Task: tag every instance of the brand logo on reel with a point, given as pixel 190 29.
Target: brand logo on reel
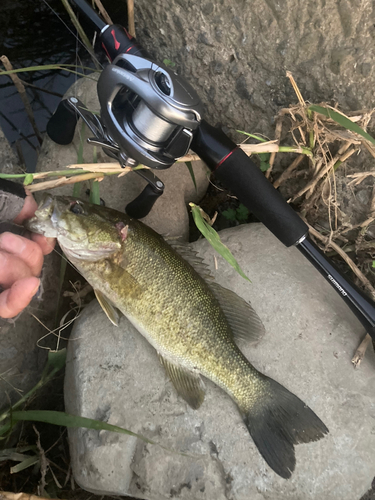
pixel 337 285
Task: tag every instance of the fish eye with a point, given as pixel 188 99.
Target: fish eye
pixel 76 208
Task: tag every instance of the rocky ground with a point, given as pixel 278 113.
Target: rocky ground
pixel 236 55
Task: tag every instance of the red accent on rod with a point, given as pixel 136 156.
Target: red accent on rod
pixel 129 49
pixel 225 158
pixel 117 44
pixel 106 51
pixel 127 34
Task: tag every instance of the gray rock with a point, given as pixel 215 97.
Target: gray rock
pixel 22 356
pixel 8 161
pixel 328 45
pixel 21 360
pixel 113 374
pixel 169 214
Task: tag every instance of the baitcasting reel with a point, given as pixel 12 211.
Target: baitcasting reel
pixel 148 111
pixel 148 116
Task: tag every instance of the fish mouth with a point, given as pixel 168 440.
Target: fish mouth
pixel 42 222
pixel 51 220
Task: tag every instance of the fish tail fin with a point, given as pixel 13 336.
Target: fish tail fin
pixel 277 421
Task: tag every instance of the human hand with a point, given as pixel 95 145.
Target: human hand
pixel 21 261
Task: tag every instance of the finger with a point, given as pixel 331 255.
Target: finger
pixel 26 250
pixel 28 209
pixel 12 269
pixel 16 298
pixel 46 244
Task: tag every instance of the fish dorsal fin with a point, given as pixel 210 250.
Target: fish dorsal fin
pixel 191 256
pixel 188 384
pixel 243 320
pixel 108 308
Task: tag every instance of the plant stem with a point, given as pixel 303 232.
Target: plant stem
pixel 57 173
pixel 22 93
pixel 61 67
pixel 311 139
pixel 261 139
pixel 44 380
pixel 291 149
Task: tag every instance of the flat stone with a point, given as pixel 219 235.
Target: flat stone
pixel 169 214
pixel 113 374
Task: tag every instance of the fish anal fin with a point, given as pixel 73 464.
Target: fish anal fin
pixel 188 384
pixel 108 307
pixel 243 320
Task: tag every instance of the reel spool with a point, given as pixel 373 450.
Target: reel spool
pixel 148 111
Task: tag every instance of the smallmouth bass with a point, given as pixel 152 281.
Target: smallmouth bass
pixel 191 321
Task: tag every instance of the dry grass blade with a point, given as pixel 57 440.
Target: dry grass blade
pixel 279 126
pixel 62 181
pixel 131 23
pixel 103 12
pixel 360 352
pixel 264 147
pixel 296 89
pixel 79 294
pixel 359 177
pixel 369 148
pixel 101 167
pixel 366 283
pixel 81 32
pixel 22 92
pixel 43 464
pixel 340 157
pixel 288 171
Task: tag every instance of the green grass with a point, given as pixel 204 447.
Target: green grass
pixel 342 120
pixel 214 239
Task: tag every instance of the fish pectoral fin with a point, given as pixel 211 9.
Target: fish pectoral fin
pixel 108 308
pixel 188 384
pixel 243 320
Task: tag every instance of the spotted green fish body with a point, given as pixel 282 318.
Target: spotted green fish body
pixel 192 322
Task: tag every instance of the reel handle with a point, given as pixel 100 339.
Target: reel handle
pixel 62 124
pixel 143 203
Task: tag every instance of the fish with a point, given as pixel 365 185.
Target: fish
pixel 194 324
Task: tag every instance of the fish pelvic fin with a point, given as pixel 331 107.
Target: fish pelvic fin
pixel 188 384
pixel 278 422
pixel 108 307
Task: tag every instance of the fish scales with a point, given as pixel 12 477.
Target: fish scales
pixel 189 322
pixel 176 307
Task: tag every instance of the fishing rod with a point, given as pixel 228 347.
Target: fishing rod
pixel 152 116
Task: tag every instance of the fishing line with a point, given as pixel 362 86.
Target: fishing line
pixel 67 27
